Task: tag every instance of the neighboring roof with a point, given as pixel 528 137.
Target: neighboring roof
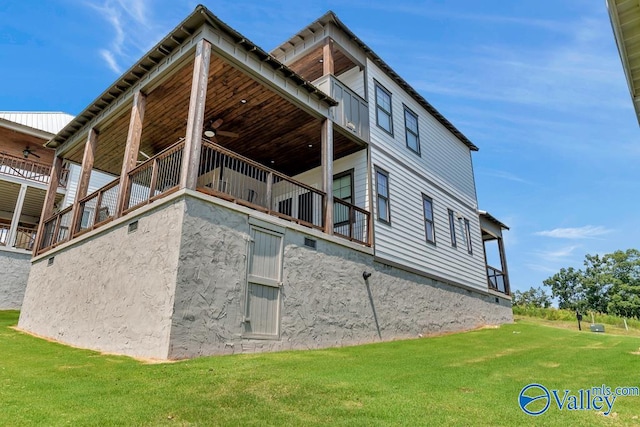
pixel 164 48
pixel 625 20
pixel 49 122
pixel 330 16
pixel 486 215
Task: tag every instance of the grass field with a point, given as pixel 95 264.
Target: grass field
pixel 471 378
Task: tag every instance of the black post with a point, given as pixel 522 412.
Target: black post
pixel 579 317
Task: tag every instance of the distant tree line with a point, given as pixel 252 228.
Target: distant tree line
pixel 608 284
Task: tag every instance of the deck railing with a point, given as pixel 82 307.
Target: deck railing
pixel 222 173
pixel 497 280
pixel 352 111
pixel 156 177
pixel 350 222
pixel 25 237
pixel 231 176
pixel 98 207
pixel 27 169
pixel 56 230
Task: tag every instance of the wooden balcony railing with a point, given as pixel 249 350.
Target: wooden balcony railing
pixel 155 178
pixel 25 237
pixel 222 173
pixel 28 169
pixel 231 176
pixel 498 281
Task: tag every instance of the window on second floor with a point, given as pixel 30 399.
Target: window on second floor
pixel 382 190
pixel 429 224
pixel 412 135
pixel 467 232
pixel 452 228
pixel 384 118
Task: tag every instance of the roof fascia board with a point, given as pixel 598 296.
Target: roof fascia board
pixel 290 52
pixel 8 124
pixel 146 83
pixel 622 51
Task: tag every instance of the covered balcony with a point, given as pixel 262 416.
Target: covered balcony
pixel 497 278
pixel 211 122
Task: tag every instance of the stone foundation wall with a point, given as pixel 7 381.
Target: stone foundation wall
pixel 14 272
pixel 111 292
pixel 325 300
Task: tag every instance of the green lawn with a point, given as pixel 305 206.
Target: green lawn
pixel 470 378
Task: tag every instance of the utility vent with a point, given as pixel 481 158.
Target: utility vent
pixel 133 226
pixel 310 242
pixel 498 300
pixel 50 261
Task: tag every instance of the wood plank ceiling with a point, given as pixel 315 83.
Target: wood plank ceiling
pixel 271 130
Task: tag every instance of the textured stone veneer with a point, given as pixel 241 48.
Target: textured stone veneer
pixel 325 300
pixel 112 292
pixel 14 272
pixel 175 288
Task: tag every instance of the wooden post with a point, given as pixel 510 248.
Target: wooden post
pixel 327 57
pixel 327 174
pixel 269 192
pixel 17 212
pixel 195 120
pixel 131 150
pixel 503 261
pixel 49 199
pixel 83 182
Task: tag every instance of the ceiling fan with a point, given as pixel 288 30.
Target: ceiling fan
pixel 28 151
pixel 211 130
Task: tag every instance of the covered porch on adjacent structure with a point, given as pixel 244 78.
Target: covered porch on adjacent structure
pixel 232 124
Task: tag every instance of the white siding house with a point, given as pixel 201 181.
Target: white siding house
pixel 303 198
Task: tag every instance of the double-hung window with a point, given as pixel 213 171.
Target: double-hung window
pixel 452 228
pixel 384 118
pixel 382 187
pixel 412 135
pixel 467 232
pixel 429 224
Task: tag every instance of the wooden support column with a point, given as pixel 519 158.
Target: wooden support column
pixel 327 174
pixel 17 213
pixel 131 150
pixel 85 174
pixel 49 199
pixel 503 262
pixel 327 57
pixel 195 119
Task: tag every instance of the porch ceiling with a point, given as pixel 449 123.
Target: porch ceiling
pixel 271 130
pixel 310 65
pixel 14 142
pixel 33 200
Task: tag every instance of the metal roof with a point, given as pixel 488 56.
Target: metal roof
pixel 330 16
pixel 200 16
pixel 625 20
pixel 45 121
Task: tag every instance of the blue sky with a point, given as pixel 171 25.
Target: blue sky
pixel 537 85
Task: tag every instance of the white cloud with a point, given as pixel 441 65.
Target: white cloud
pixel 504 175
pixel 558 255
pixel 586 232
pixel 133 31
pixel 111 61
